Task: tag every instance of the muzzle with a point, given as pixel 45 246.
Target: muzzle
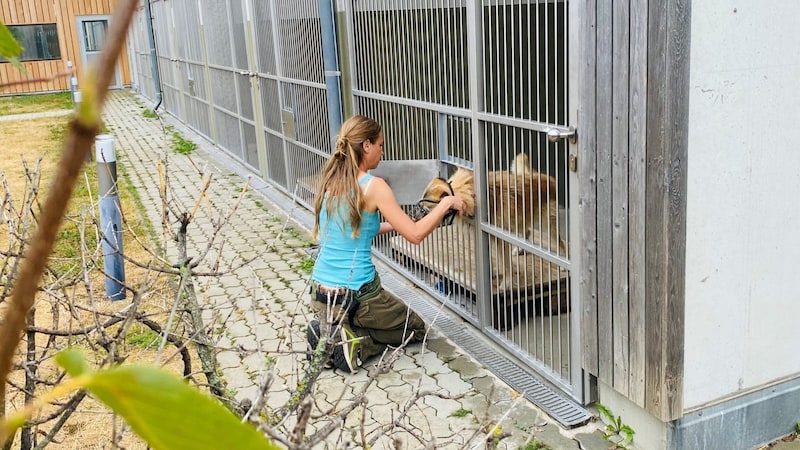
pixel 424 207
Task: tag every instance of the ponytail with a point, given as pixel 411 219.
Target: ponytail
pixel 339 178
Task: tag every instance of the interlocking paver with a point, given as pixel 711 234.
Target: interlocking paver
pixel 261 308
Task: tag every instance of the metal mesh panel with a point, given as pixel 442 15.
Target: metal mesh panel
pixel 172 100
pixel 194 81
pixel 525 60
pixel 217 32
pixel 311 116
pixel 270 103
pixel 239 41
pixel 265 43
pixel 415 50
pixel 304 169
pixel 197 115
pixel 300 40
pixel 245 96
pixel 276 162
pixel 187 18
pixel 223 91
pixel 161 27
pixel 250 146
pixel 228 137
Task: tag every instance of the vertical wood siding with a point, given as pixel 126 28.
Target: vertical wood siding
pixel 63 13
pixel 632 159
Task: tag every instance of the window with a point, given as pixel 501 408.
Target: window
pixel 39 41
pixel 94 33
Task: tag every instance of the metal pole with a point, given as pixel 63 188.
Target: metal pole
pixel 330 59
pixel 110 217
pixel 151 40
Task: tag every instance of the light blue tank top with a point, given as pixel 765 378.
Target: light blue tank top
pixel 345 261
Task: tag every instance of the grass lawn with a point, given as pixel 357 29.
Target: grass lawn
pixel 23 104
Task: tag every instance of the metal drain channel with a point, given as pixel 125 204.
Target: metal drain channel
pixel 562 409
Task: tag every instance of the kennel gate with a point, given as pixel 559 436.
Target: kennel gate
pixel 471 84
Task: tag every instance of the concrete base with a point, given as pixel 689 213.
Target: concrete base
pixel 742 423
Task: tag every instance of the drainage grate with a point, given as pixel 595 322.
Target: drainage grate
pixel 565 411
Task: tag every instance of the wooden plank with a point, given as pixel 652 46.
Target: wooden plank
pixel 619 188
pixel 636 198
pixel 587 209
pixel 37 12
pixel 5 12
pixel 71 38
pixel 605 281
pixel 62 38
pixel 13 13
pixel 655 201
pixel 678 44
pixel 24 12
pixel 35 73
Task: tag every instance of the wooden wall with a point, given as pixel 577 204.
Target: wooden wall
pixel 63 13
pixel 634 82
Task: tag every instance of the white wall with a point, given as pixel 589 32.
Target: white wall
pixel 743 235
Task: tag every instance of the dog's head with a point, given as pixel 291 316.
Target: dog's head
pixel 436 190
pixel 460 183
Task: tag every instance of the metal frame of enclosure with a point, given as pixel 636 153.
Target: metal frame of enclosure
pixel 456 84
pixel 582 281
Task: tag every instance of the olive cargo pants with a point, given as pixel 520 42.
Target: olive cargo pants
pixel 379 319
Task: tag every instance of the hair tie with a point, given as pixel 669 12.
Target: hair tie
pixel 341 147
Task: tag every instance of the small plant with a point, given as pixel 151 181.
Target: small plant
pixel 461 412
pixel 307 265
pixel 181 145
pixel 149 114
pixel 616 432
pixel 534 445
pixel 141 337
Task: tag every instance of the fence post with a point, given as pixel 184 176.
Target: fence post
pixel 110 217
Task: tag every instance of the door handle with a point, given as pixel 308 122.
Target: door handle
pixel 556 134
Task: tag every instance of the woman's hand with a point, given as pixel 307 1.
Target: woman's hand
pixel 457 204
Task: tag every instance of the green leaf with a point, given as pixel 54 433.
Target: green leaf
pixel 73 362
pixel 9 47
pixel 168 413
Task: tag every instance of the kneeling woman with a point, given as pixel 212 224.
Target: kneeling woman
pixel 347 295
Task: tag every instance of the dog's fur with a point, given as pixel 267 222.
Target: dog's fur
pixel 519 200
pixel 516 197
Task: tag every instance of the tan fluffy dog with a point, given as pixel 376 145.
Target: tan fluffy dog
pixel 520 201
pixel 517 199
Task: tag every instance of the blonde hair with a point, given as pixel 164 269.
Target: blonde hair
pixel 339 178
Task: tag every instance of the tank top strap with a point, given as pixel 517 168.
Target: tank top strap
pixel 365 181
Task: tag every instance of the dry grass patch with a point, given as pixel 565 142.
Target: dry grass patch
pixel 79 301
